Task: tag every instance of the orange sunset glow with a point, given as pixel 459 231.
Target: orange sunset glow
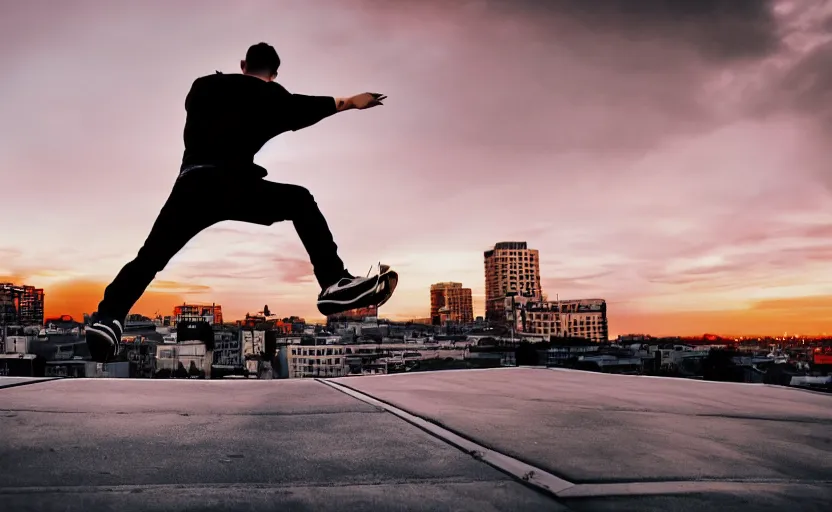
pixel 675 167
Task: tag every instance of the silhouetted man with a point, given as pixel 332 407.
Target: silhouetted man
pixel 229 118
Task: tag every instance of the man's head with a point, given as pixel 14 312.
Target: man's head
pixel 261 61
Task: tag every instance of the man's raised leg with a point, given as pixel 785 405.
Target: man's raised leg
pixel 269 202
pixel 340 291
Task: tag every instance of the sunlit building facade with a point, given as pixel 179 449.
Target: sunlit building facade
pixel 510 268
pixel 21 305
pixel 450 302
pixel 586 318
pixel 211 313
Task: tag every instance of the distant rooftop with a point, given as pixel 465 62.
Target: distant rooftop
pixel 516 246
pixel 479 440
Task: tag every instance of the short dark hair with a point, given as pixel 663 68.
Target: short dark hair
pixel 262 57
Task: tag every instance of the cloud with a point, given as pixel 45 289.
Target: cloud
pixel 10 252
pixel 244 264
pixel 179 288
pixel 721 31
pixel 16 279
pixel 555 283
pixel 795 80
pixel 807 88
pixel 76 297
pixel 798 306
pixel 15 266
pixel 584 88
pixel 295 270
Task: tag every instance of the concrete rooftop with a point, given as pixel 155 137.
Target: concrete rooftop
pixel 480 440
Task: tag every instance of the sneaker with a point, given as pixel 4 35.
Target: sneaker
pixel 352 292
pixel 103 338
pixel 388 279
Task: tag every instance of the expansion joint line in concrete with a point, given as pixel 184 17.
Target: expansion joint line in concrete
pixel 525 473
pixel 563 489
pixel 36 380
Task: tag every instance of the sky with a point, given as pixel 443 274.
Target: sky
pixel 669 157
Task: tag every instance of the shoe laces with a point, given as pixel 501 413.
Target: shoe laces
pixel 374 267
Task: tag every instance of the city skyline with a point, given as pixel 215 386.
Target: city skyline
pixel 680 175
pixel 172 310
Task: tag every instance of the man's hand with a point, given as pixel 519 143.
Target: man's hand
pixel 360 101
pixel 368 100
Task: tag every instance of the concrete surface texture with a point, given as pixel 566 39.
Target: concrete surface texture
pixel 659 442
pixel 102 444
pixel 620 443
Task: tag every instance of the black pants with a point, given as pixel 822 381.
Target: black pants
pixel 203 197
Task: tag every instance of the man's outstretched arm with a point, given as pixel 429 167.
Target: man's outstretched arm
pixel 304 111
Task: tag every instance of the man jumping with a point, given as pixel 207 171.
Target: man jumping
pixel 229 118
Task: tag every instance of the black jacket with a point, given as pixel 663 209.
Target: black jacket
pixel 230 117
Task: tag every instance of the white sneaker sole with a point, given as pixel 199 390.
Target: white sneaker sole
pixel 385 284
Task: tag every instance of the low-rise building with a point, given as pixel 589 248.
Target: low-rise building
pixel 209 313
pixel 316 361
pixel 21 305
pixel 584 318
pixel 21 365
pixel 187 356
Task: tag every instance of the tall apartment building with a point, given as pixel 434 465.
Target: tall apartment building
pixel 212 314
pixel 21 305
pixel 450 302
pixel 510 267
pixel 585 318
